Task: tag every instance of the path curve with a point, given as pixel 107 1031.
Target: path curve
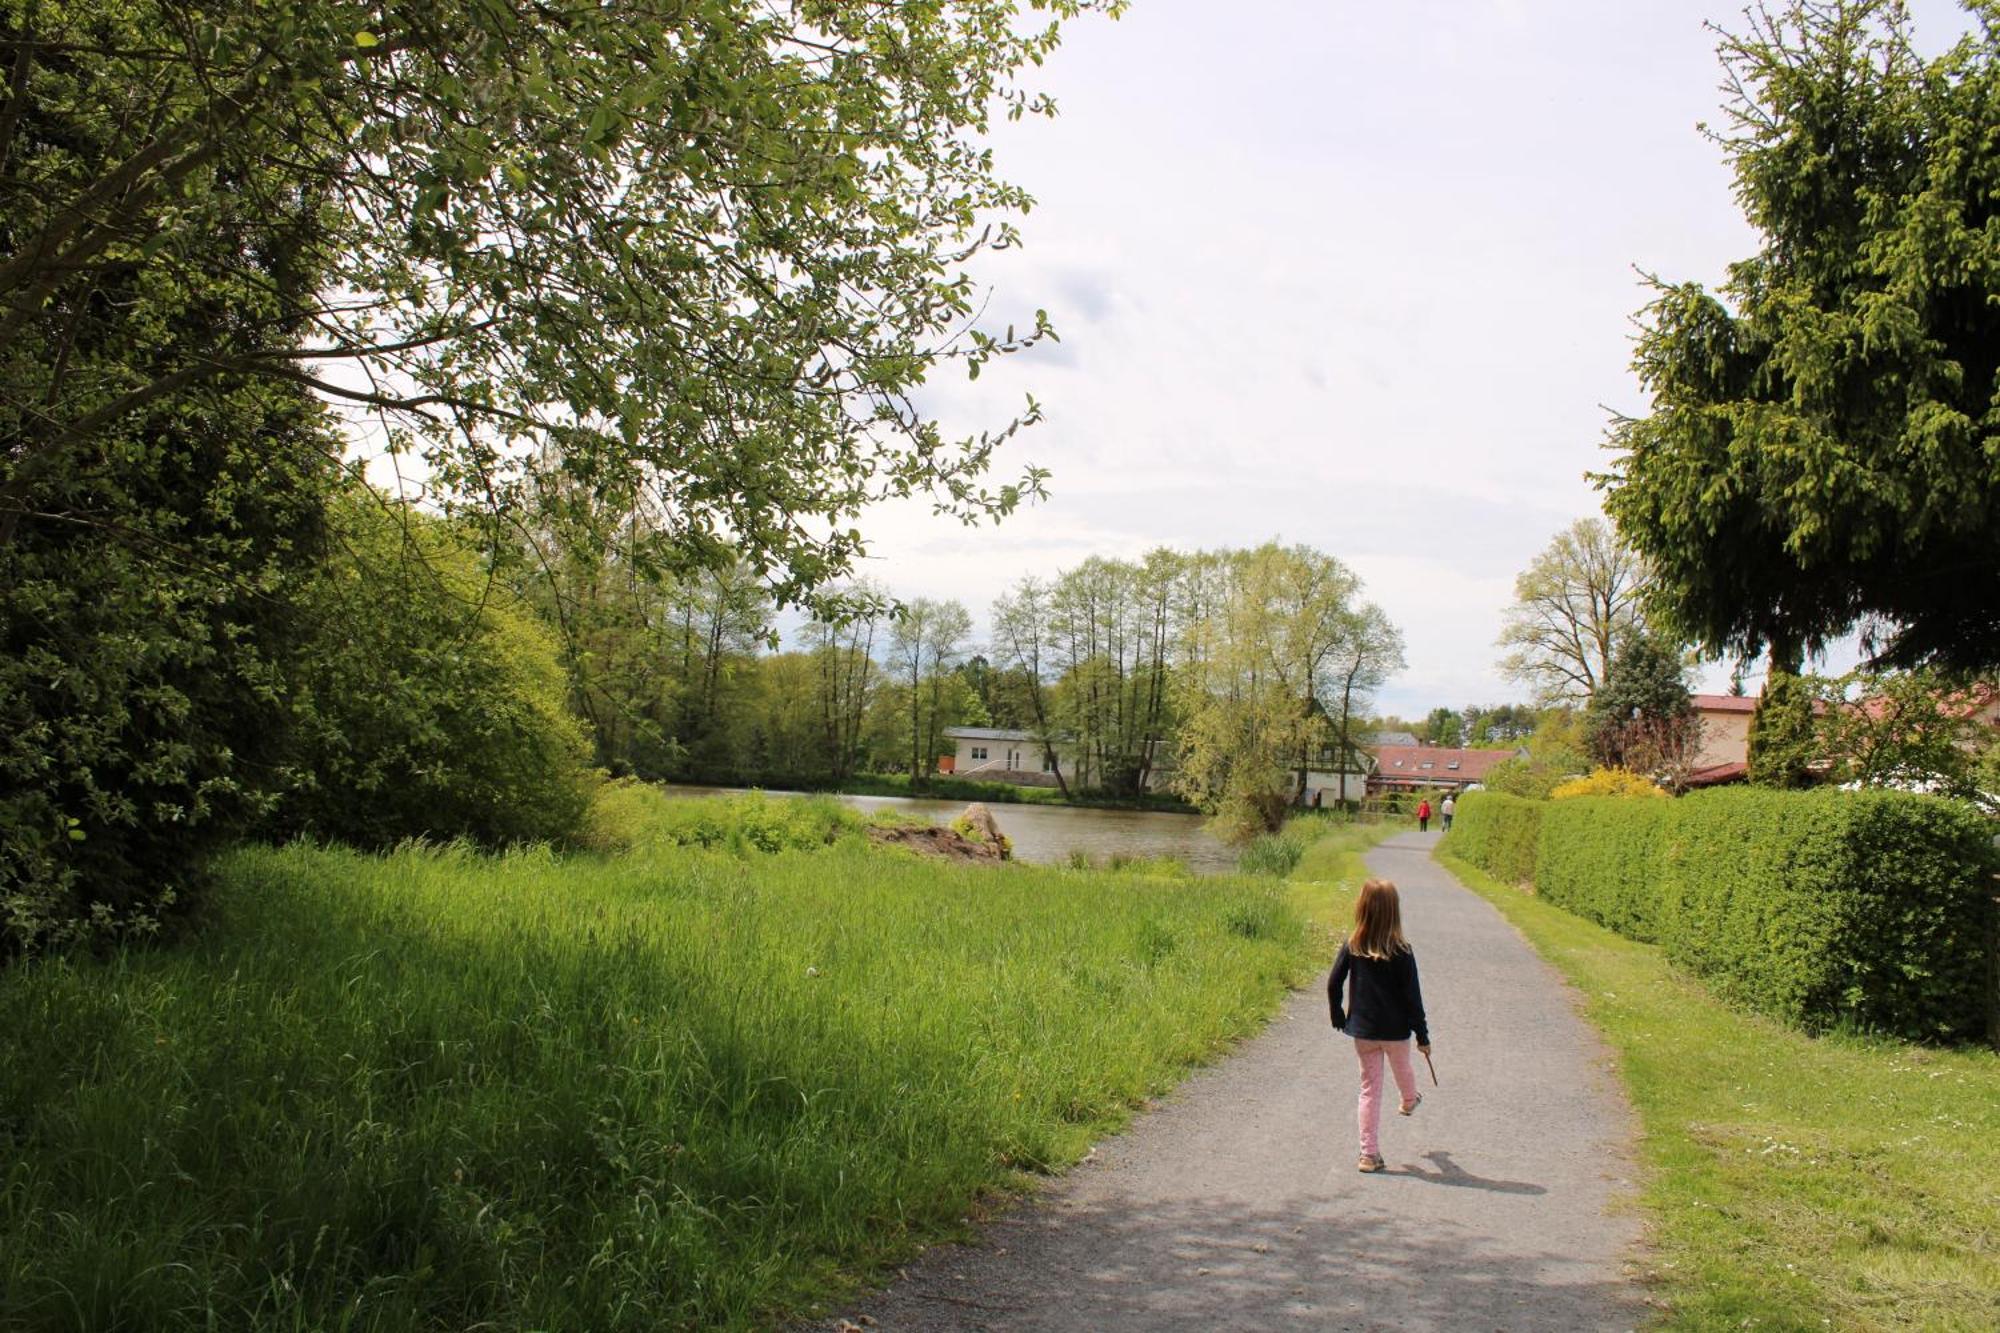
pixel 1235 1203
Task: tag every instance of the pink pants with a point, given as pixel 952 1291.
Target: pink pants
pixel 1369 1112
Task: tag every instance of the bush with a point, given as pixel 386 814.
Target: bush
pixel 627 815
pixel 146 598
pixel 430 702
pixel 1272 854
pixel 1598 857
pixel 1830 908
pixel 1605 782
pixel 1497 833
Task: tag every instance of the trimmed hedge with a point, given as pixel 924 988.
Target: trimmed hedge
pixel 1830 908
pixel 1497 833
pixel 1597 856
pixel 1871 910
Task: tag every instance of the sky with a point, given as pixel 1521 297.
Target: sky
pixel 1357 275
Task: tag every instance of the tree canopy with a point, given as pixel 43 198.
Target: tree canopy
pixel 1823 444
pixel 1571 605
pixel 1643 717
pixel 695 255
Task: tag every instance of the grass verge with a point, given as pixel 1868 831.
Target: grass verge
pixel 1329 873
pixel 1794 1182
pixel 678 1088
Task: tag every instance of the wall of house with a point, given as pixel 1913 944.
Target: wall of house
pixel 1005 761
pixel 1725 739
pixel 1335 787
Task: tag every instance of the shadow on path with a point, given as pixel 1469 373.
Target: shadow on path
pixel 1451 1173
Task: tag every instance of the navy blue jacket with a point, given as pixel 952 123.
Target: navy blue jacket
pixel 1386 1003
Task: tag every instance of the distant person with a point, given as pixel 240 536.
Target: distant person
pixel 1424 815
pixel 1446 810
pixel 1385 1006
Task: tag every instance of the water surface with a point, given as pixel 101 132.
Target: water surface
pixel 1047 834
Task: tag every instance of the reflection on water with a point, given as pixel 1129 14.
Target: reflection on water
pixel 1048 833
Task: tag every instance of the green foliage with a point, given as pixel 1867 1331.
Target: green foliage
pixel 1819 445
pixel 1555 755
pixel 1497 833
pixel 1783 744
pixel 1273 853
pixel 1823 908
pixel 667 1091
pixel 1598 856
pixel 1916 730
pixel 1536 776
pixel 1606 782
pixel 1273 667
pixel 628 815
pixel 1790 1181
pixel 142 721
pixel 1642 713
pixel 149 541
pixel 1830 908
pixel 1443 727
pixel 540 265
pixel 429 702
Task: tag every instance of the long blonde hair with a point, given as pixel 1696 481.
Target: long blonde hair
pixel 1378 922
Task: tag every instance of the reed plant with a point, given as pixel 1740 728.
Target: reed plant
pixel 676 1088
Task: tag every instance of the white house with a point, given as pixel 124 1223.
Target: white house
pixel 996 754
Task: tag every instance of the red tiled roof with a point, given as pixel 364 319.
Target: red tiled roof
pixel 1717 774
pixel 1725 703
pixel 1407 761
pixel 1966 704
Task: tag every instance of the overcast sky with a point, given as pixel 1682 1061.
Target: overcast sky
pixel 1358 275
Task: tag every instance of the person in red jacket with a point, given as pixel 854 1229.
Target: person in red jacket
pixel 1424 815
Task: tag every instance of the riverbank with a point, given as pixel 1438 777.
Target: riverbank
pixel 676 1088
pixel 1794 1182
pixel 943 789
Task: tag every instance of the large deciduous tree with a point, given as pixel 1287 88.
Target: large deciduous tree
pixel 701 251
pixel 1269 642
pixel 926 644
pixel 1571 606
pixel 1823 443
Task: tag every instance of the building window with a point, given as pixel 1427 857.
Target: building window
pixel 1452 765
pixel 978 752
pixel 1047 767
pixel 1427 764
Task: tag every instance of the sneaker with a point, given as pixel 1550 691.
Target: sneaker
pixel 1370 1164
pixel 1410 1105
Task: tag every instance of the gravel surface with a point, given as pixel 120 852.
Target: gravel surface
pixel 1235 1204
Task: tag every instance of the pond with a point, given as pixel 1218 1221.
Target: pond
pixel 1047 834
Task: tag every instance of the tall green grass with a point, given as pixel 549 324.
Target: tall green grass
pixel 1330 869
pixel 628 815
pixel 674 1089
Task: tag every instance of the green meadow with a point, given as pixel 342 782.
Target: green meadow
pixel 674 1087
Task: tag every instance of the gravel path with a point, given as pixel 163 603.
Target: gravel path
pixel 1235 1204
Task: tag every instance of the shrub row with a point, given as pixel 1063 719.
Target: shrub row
pixel 1497 833
pixel 1822 908
pixel 1595 856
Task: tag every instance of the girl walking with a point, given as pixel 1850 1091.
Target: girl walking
pixel 1384 1008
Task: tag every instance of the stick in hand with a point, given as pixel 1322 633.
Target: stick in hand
pixel 1433 1068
